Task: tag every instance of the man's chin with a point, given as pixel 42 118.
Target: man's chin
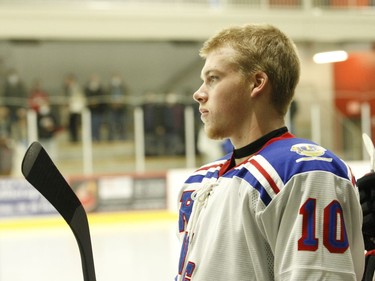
pixel 212 134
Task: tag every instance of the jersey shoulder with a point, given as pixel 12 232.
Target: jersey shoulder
pixel 293 156
pixel 210 170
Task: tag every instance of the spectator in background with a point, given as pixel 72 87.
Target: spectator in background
pixel 154 126
pixel 76 104
pixel 37 96
pixel 5 124
pixel 47 127
pixel 14 93
pixel 174 120
pixel 117 108
pixel 6 153
pixel 97 105
pixel 20 140
pixel 227 146
pixel 293 110
pixel 5 147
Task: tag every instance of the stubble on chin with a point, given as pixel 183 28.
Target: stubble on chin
pixel 212 132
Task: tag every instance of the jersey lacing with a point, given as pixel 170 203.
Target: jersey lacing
pixel 200 197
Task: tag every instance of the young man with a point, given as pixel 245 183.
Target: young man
pixel 278 207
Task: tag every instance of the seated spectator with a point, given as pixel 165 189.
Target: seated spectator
pixel 76 104
pixel 97 105
pixel 15 96
pixel 37 96
pixel 117 110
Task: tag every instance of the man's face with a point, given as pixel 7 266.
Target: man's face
pixel 224 96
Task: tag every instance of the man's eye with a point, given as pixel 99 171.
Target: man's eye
pixel 213 79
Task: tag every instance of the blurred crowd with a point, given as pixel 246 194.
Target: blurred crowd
pixel 111 117
pixel 57 113
pixel 105 102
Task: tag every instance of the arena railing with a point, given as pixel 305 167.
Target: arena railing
pixel 256 4
pixel 139 133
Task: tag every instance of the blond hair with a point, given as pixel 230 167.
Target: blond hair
pixel 262 47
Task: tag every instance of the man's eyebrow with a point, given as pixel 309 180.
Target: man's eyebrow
pixel 205 73
pixel 208 72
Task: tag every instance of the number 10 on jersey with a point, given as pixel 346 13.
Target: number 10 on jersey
pixel 334 232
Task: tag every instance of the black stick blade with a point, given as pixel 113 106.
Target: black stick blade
pixel 41 172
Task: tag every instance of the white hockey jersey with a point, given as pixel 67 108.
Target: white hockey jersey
pixel 289 212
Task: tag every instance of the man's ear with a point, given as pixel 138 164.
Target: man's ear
pixel 260 83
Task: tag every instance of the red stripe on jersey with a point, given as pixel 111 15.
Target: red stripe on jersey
pixel 352 177
pixel 266 175
pixel 209 167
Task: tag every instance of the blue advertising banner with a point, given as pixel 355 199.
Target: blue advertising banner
pixel 18 199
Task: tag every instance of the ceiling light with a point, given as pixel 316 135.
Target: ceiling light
pixel 329 57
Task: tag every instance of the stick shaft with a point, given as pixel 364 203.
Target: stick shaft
pixel 39 169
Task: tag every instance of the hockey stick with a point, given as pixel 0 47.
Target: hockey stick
pixel 366 186
pixel 41 172
pixel 370 150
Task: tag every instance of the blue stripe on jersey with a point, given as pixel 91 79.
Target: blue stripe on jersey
pixel 199 177
pixel 248 177
pixel 195 178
